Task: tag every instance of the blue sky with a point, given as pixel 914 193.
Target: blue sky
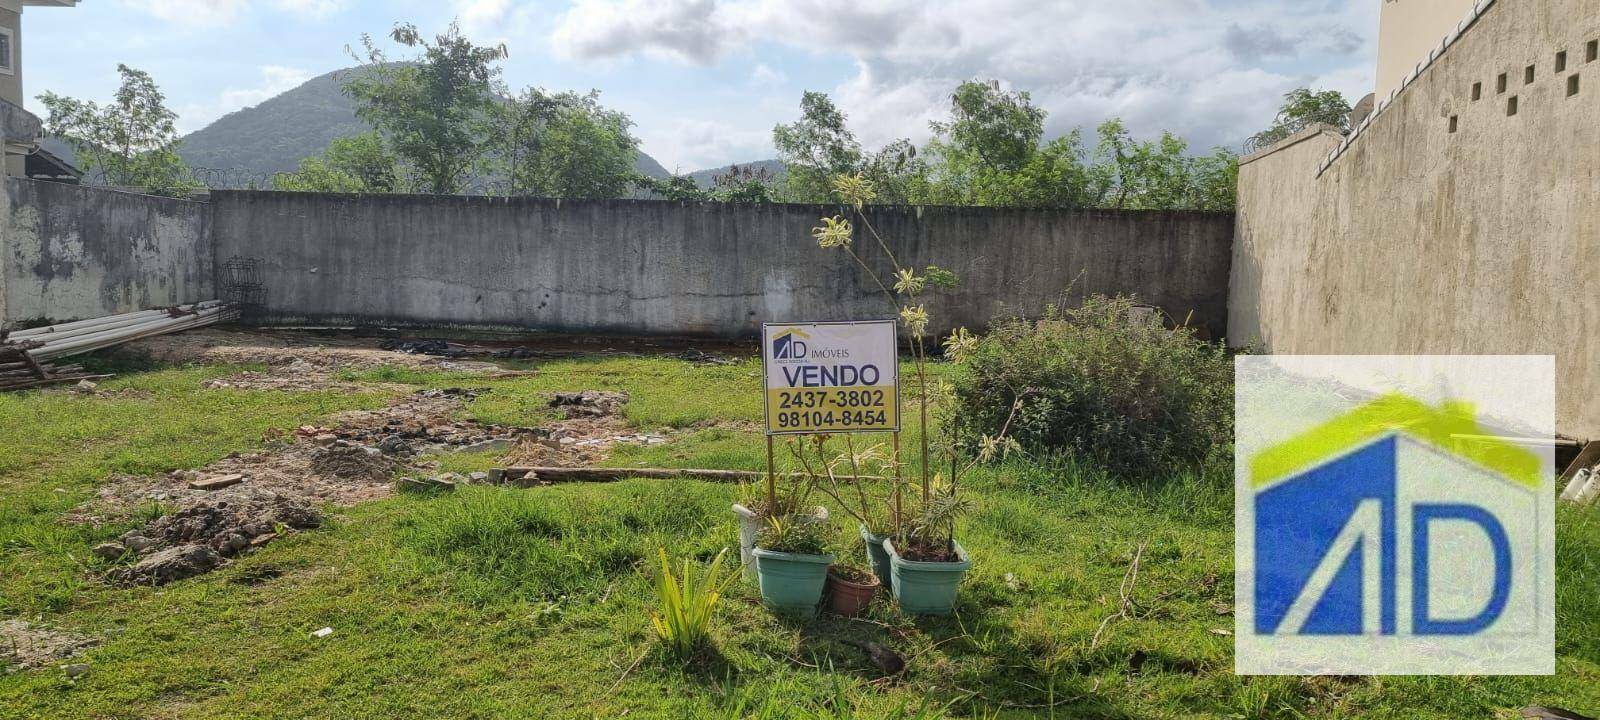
pixel 705 80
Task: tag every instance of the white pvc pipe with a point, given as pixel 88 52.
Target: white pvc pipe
pixel 63 329
pixel 117 336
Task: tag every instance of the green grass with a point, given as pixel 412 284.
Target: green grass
pixel 511 603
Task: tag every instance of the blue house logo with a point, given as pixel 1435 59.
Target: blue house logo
pixel 789 345
pixel 1397 523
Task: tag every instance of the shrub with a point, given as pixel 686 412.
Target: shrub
pixel 1103 381
pixel 686 601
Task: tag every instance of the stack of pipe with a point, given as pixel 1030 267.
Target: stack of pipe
pixel 25 354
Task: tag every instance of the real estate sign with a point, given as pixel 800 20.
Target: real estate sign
pixel 827 377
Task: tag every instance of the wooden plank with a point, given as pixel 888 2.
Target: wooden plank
pixel 217 482
pixel 551 475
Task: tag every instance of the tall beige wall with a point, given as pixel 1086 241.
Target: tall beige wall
pixel 1407 30
pixel 11 84
pixel 1420 240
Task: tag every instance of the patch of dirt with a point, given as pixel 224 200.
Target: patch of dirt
pixel 241 502
pixel 295 361
pixel 593 426
pixel 25 646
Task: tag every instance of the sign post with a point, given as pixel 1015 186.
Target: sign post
pixel 829 377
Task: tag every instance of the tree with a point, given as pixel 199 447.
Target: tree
pixel 564 145
pixel 356 164
pixel 1158 174
pixel 1301 109
pixel 997 130
pixel 815 149
pixel 433 111
pixel 131 142
pixel 744 184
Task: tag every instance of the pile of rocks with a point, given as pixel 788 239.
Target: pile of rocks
pixel 589 403
pixel 199 537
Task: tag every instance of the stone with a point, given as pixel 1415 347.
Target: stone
pixel 138 543
pixel 85 386
pixel 109 551
pixel 325 439
pixel 491 445
pixel 217 482
pixel 76 670
pixel 394 445
pixel 322 633
pixel 478 477
pixel 175 563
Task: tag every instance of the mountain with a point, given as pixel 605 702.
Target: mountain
pixel 276 135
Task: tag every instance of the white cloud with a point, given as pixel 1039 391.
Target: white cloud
pixel 686 145
pixel 274 80
pixel 1210 70
pixel 313 8
pixel 192 12
pixel 764 76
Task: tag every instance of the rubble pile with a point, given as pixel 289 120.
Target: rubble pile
pixel 198 537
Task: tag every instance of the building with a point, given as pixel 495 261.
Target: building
pixel 1407 30
pixel 19 128
pixel 1462 216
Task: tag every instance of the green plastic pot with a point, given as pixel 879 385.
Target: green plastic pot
pixel 926 588
pixel 878 556
pixel 750 525
pixel 791 582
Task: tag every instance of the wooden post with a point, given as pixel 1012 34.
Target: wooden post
pixel 772 481
pixel 896 442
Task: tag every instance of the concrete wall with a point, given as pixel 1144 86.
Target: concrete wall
pixel 692 268
pixel 69 252
pixel 1417 239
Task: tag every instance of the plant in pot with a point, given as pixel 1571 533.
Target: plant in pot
pixel 922 550
pixel 792 562
pixel 926 563
pixel 865 466
pixel 851 589
pixel 789 500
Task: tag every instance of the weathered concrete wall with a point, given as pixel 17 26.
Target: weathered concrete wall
pixel 1417 239
pixel 72 252
pixel 692 268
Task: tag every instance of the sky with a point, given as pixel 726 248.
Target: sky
pixel 706 80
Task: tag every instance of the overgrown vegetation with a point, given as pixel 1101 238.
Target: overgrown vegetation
pixel 130 142
pixel 1107 382
pixel 428 623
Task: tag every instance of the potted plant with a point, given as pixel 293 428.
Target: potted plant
pixel 850 589
pixel 865 465
pixel 926 563
pixel 755 508
pixel 792 564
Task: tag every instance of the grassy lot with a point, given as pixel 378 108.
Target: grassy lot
pixel 534 603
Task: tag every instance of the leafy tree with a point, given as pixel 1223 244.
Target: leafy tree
pixel 1301 109
pixel 998 131
pixel 130 142
pixel 815 149
pixel 898 173
pixel 356 164
pixel 678 187
pixel 745 185
pixel 564 145
pixel 1158 174
pixel 432 111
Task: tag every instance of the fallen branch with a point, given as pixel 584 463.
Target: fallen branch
pixel 553 475
pixel 1125 602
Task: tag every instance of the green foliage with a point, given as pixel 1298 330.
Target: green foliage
pixel 745 184
pixel 563 145
pixel 1302 108
pixel 1098 382
pixel 358 164
pixel 1159 174
pixel 792 534
pixel 131 142
pixel 686 601
pixel 681 188
pixel 990 130
pixel 815 149
pixel 434 110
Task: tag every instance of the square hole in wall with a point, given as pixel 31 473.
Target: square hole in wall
pixel 1500 83
pixel 1453 122
pixel 1527 75
pixel 1477 90
pixel 1593 53
pixel 1561 61
pixel 1511 106
pixel 1572 85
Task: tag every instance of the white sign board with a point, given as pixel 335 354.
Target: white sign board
pixel 831 377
